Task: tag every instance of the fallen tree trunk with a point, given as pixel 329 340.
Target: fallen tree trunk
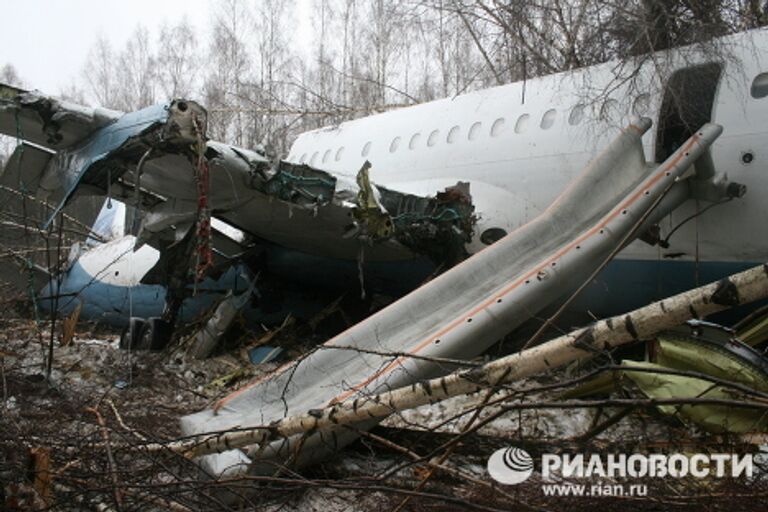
pixel 581 344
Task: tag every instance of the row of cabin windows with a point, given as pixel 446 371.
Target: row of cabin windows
pixel 548 119
pixel 609 109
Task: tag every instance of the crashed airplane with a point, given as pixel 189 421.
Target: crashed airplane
pixel 541 182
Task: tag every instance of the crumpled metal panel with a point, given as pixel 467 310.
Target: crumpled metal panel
pixel 165 126
pixel 460 313
pixel 46 121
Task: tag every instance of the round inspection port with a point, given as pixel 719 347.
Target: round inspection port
pixel 491 235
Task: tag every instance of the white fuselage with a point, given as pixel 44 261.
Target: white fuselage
pixel 520 144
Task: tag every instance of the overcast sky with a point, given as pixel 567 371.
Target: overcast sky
pixel 48 40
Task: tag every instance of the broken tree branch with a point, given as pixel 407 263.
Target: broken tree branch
pixel 117 494
pixel 640 324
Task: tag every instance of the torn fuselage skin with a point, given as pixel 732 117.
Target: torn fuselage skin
pixel 114 146
pixel 49 122
pixel 151 159
pixel 437 227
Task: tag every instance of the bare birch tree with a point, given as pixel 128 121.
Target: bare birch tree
pixel 99 73
pixel 178 61
pixel 137 79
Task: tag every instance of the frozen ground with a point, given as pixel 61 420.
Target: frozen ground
pixel 140 396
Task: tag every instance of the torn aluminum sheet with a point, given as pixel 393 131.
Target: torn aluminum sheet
pixel 168 127
pixel 753 330
pixel 703 348
pixel 282 198
pixel 110 151
pixel 63 123
pixel 149 150
pixel 207 338
pixel 369 212
pixel 437 227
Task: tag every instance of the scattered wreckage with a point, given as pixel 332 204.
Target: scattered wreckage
pixel 159 161
pixel 698 361
pixel 523 272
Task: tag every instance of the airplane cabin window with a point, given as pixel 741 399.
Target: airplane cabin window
pixel 521 123
pixel 497 127
pixel 313 159
pixel 453 134
pixel 432 140
pixel 366 149
pixel 641 105
pixel 577 114
pixel 760 86
pixel 326 156
pixel 414 140
pixel 339 152
pixel 548 119
pixel 395 143
pixel 474 131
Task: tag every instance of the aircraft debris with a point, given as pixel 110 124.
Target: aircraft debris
pixel 264 354
pixel 158 161
pixel 753 329
pixel 104 154
pixel 203 342
pixel 497 292
pixel 687 362
pixel 164 137
pixel 178 184
pixel 582 344
pixel 427 225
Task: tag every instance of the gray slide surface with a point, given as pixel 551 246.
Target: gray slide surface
pixel 459 314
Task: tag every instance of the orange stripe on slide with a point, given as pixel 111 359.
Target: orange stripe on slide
pixel 482 306
pixel 513 286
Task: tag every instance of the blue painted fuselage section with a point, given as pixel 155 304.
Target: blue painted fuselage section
pixel 113 304
pixel 625 285
pixel 622 286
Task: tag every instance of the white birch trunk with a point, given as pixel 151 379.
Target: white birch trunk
pixel 640 324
